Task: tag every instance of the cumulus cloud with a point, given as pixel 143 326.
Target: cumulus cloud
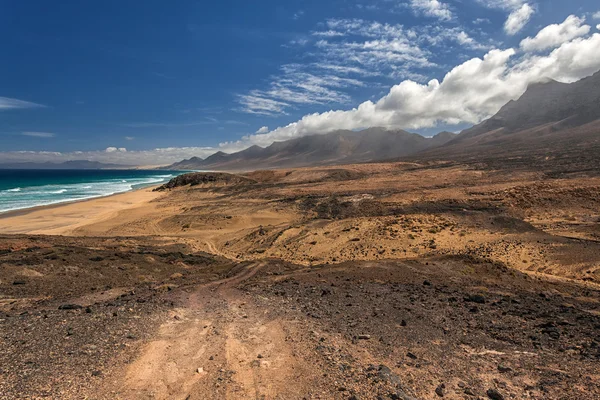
pixel 263 129
pixel 7 103
pixel 520 13
pixel 469 93
pixel 116 150
pixel 556 34
pixel 432 8
pixel 518 19
pixel 596 15
pixel 39 134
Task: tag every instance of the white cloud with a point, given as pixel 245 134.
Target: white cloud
pixel 116 150
pixel 255 103
pixel 129 138
pixel 345 52
pixel 518 19
pixel 520 13
pixel 9 104
pixel 502 4
pixel 296 86
pixel 469 93
pixel 556 34
pixel 263 129
pixel 596 15
pixel 39 134
pixel 598 27
pixel 328 33
pixel 432 8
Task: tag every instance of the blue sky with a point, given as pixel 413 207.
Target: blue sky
pixel 154 81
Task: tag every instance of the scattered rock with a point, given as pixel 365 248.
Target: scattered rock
pixel 70 307
pixel 476 298
pixel 503 368
pixel 441 390
pixel 494 394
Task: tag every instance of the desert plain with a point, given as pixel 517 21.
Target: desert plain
pixel 395 280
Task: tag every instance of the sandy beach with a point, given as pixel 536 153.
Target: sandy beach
pixel 63 218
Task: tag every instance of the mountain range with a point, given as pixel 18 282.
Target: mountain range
pixel 338 147
pixel 550 120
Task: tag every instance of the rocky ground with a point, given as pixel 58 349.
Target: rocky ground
pixel 375 281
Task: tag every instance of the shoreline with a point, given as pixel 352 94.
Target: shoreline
pixel 24 211
pixel 64 217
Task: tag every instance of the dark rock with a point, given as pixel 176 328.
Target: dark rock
pixel 426 283
pixel 441 390
pixel 503 368
pixel 494 394
pixel 19 282
pixel 476 298
pixel 552 332
pixel 70 307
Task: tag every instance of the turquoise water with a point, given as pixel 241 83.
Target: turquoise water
pixel 21 189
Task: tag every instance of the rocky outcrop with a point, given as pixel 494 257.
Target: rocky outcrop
pixel 205 178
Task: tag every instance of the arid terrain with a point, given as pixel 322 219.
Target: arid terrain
pixel 369 281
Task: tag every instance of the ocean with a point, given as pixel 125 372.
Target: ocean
pixel 21 189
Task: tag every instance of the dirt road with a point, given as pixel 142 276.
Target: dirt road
pixel 219 345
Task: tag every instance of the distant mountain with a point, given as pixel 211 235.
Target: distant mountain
pixel 338 147
pixel 75 164
pixel 550 120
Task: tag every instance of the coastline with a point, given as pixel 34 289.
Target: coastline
pixel 62 218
